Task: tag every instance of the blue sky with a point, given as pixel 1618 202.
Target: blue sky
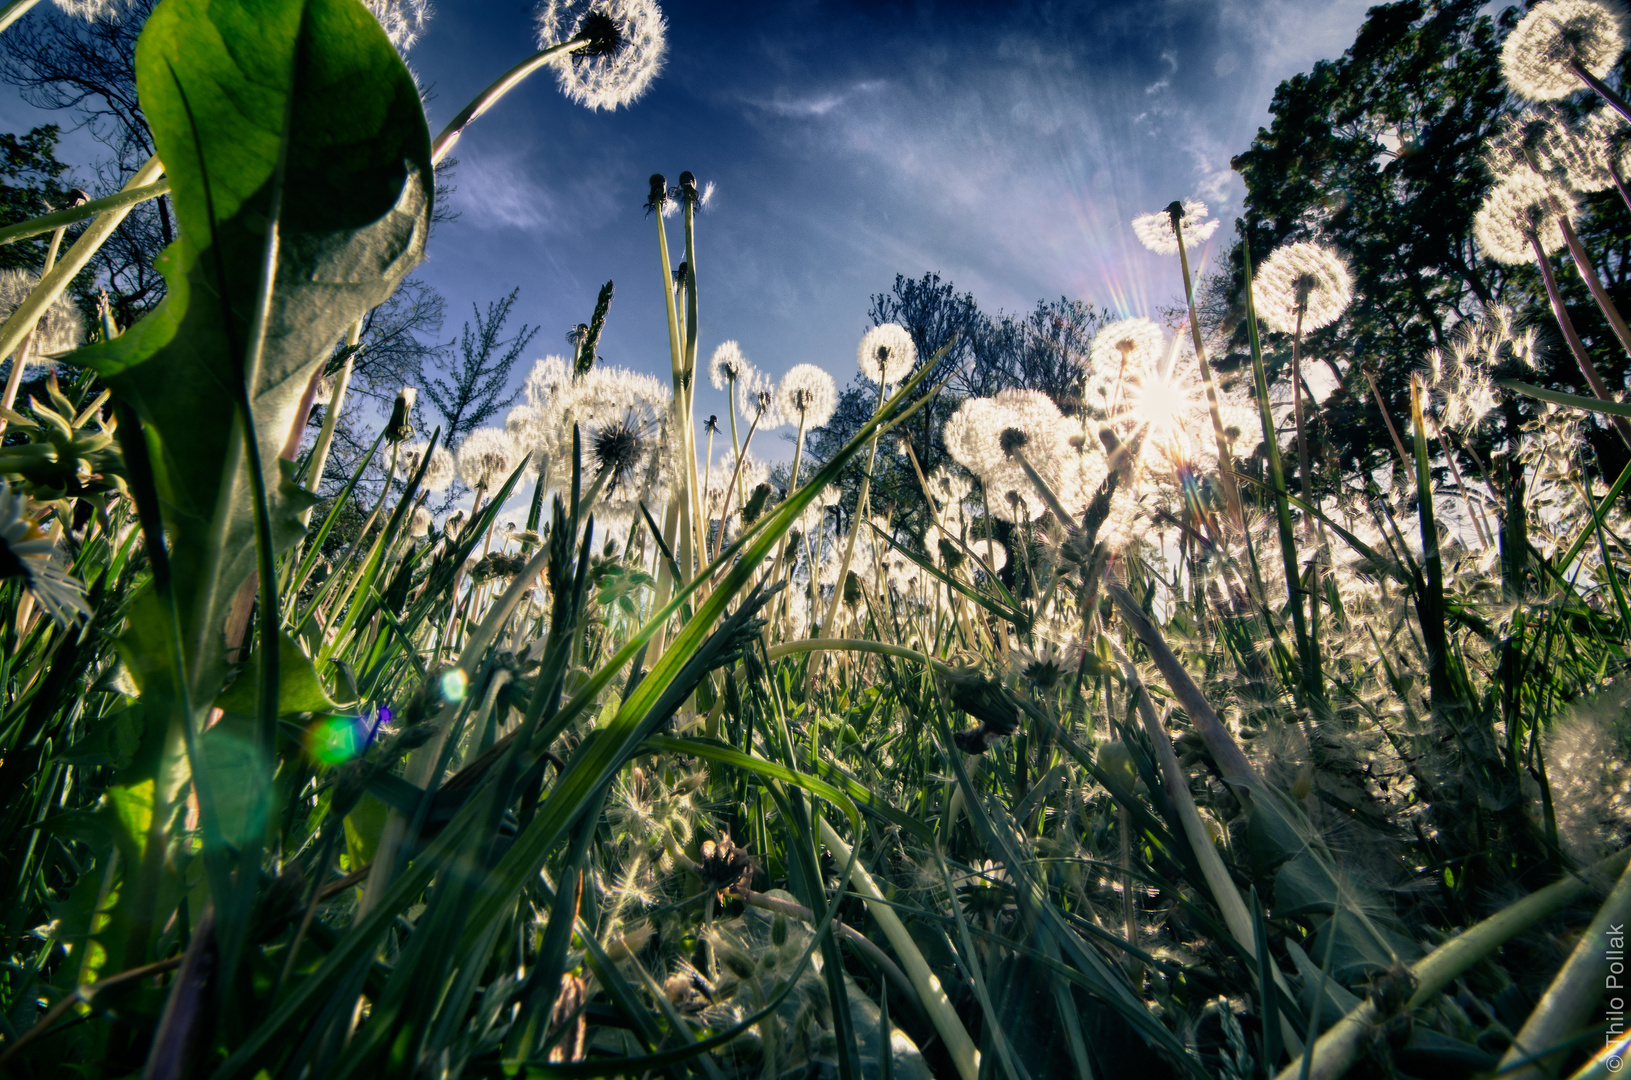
pixel 1004 145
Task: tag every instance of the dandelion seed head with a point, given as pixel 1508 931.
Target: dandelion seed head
pixel 1538 53
pixel 756 397
pixel 486 457
pixel 1581 152
pixel 622 52
pixel 886 354
pixel 421 523
pixel 1588 757
pixel 403 20
pixel 1302 277
pixel 61 329
pixel 1154 231
pixel 807 393
pixel 1523 206
pixel 439 473
pixel 1121 353
pixel 92 10
pixel 728 365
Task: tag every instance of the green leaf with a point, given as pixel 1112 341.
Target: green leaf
pixel 300 690
pixel 1591 404
pixel 233 92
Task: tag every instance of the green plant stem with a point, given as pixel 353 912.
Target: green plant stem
pixel 14 11
pixel 489 97
pixel 19 363
pixel 1559 311
pixel 861 514
pixel 929 991
pixel 1277 476
pixel 1569 1001
pixel 1336 1050
pixel 1226 468
pixel 331 413
pixel 59 219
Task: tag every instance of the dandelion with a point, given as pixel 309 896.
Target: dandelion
pixel 92 10
pixel 438 474
pixel 1551 51
pixel 421 523
pixel 622 419
pixel 756 397
pixel 622 50
pixel 486 457
pixel 403 20
pixel 1588 757
pixel 619 447
pixel 886 354
pixel 61 329
pixel 25 553
pixel 1155 230
pixel 1302 286
pixel 808 393
pixel 1122 351
pixel 1521 212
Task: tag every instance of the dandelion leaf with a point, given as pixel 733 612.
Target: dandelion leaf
pixel 299 110
pixel 300 690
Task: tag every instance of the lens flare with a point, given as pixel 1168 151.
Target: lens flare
pixel 336 739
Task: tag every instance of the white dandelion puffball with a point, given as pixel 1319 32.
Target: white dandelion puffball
pixel 421 522
pixel 486 457
pixel 1538 54
pixel 756 397
pixel 61 329
pixel 1154 231
pixel 807 394
pixel 886 354
pixel 548 378
pixel 1122 354
pixel 622 420
pixel 438 474
pixel 963 431
pixel 1523 206
pixel 1589 154
pixel 1129 346
pixel 622 50
pixel 404 20
pixel 1303 276
pixel 728 365
pixel 993 438
pixel 92 10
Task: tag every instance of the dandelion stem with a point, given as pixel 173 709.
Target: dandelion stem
pixel 489 97
pixel 1288 544
pixel 1603 89
pixel 1576 346
pixel 1226 468
pixel 1588 273
pixel 331 413
pixel 20 361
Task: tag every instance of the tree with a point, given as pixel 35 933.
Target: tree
pixel 473 392
pixel 1045 350
pixel 89 68
pixel 1381 153
pixel 32 182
